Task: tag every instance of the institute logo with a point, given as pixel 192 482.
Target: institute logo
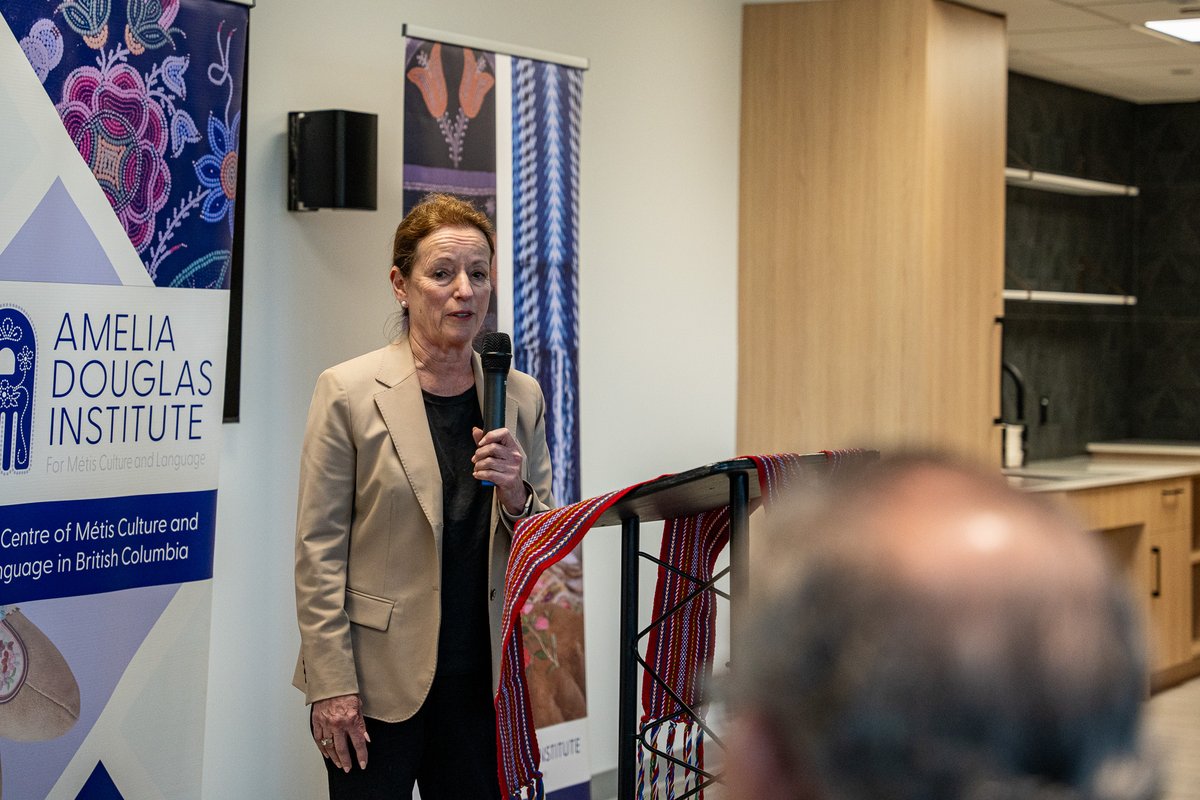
pixel 18 357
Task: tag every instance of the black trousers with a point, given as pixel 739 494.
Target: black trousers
pixel 448 749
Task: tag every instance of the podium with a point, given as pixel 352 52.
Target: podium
pixel 733 483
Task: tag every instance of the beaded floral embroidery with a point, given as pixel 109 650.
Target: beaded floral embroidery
pixel 14 663
pixel 130 103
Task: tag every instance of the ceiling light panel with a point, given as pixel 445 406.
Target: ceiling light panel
pixel 1186 29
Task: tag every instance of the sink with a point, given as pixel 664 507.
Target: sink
pixel 1041 475
pixel 1077 470
pixel 1029 480
pixel 1084 472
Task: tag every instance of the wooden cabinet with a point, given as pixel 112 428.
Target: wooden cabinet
pixel 871 226
pixel 1170 593
pixel 1147 528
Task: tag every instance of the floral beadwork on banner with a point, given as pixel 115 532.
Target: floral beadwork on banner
pixel 155 114
pixel 13 662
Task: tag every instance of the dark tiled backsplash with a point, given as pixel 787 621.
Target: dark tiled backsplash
pixel 1064 243
pixel 1168 259
pixel 1168 151
pixel 1055 128
pixel 1165 397
pixel 1109 372
pixel 1077 358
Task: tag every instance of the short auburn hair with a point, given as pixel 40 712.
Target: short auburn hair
pixel 433 212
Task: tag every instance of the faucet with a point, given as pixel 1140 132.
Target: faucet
pixel 1015 438
pixel 1019 383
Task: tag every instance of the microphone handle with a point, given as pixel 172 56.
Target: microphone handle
pixel 495 386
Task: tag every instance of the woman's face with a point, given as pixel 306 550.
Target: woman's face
pixel 449 287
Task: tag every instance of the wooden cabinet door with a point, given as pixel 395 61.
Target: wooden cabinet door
pixel 1169 533
pixel 1129 551
pixel 1147 530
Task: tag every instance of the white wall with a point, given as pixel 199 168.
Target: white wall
pixel 658 300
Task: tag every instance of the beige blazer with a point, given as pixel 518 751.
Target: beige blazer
pixel 369 531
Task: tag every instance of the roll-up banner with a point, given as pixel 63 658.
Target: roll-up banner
pixel 503 131
pixel 119 128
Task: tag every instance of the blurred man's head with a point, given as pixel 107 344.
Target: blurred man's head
pixel 926 632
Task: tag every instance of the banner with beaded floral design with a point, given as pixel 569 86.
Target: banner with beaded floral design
pixel 119 133
pixel 503 131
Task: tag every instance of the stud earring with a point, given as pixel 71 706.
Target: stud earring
pixel 404 304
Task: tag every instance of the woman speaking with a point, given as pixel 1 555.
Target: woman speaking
pixel 400 546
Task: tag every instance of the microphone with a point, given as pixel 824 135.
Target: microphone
pixel 495 352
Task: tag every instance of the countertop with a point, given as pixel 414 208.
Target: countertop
pixel 1087 472
pixel 1146 447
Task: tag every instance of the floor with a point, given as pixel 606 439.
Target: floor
pixel 1173 723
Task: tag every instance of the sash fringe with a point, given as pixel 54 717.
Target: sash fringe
pixel 691 777
pixel 670 748
pixel 641 771
pixel 681 740
pixel 536 791
pixel 653 775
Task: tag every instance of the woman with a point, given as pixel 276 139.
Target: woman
pixel 400 549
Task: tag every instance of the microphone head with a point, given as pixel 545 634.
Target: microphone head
pixel 495 351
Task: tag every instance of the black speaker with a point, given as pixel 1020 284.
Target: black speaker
pixel 332 159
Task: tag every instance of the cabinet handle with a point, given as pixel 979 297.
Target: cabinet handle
pixel 1156 552
pixel 1172 492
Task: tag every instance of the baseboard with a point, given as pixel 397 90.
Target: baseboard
pixel 1172 676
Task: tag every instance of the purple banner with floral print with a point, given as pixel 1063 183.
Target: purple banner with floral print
pixel 119 132
pixel 150 93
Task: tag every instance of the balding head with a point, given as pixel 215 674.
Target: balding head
pixel 924 632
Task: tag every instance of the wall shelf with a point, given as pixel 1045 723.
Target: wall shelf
pixel 1065 184
pixel 1076 298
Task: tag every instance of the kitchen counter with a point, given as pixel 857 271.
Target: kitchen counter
pixel 1146 447
pixel 1085 472
pixel 1141 496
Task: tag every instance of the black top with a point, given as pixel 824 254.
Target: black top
pixel 464 641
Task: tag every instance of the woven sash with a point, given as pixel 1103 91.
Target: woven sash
pixel 680 650
pixel 538 543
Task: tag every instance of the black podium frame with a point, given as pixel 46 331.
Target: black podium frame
pixel 682 494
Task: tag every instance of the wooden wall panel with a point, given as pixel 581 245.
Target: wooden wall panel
pixel 966 106
pixel 837 282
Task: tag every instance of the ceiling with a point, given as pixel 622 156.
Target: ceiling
pixel 1100 46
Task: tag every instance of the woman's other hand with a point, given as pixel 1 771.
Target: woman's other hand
pixel 336 719
pixel 498 459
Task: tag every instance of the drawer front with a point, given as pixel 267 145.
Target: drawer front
pixel 1113 506
pixel 1158 505
pixel 1170 506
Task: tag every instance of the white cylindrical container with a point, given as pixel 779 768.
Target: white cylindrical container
pixel 1014 445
